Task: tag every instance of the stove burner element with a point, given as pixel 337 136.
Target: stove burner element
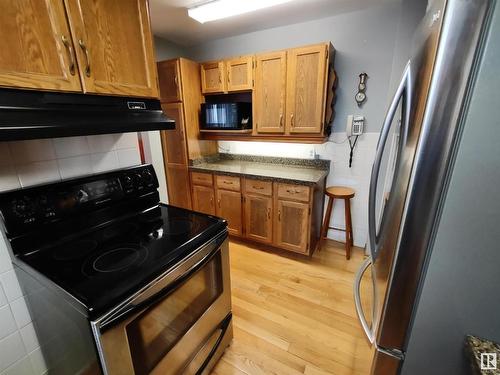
pixel 177 226
pixel 74 250
pixel 117 259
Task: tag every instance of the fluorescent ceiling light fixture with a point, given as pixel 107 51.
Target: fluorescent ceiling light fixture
pixel 218 9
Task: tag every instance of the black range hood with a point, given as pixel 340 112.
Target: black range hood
pixel 35 114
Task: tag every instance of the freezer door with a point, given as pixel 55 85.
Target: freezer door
pixel 385 222
pixel 444 54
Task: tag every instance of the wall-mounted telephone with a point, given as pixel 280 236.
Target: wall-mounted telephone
pixel 355 125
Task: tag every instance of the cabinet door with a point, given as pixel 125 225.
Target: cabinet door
pixel 173 141
pixel 306 82
pixel 37 51
pixel 270 92
pixel 240 74
pixel 213 77
pixel 203 199
pixel 292 225
pixel 169 78
pixel 229 208
pixel 115 47
pixel 258 218
pixel 178 186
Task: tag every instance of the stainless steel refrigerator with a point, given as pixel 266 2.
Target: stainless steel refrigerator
pixel 434 211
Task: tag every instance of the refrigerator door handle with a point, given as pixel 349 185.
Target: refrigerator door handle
pixel 403 92
pixel 370 332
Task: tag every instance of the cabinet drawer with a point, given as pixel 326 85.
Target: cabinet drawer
pixel 259 187
pixel 204 179
pixel 294 192
pixel 228 183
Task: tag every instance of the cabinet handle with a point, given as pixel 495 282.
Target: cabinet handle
pixel 279 215
pixel 227 182
pixel 269 213
pixel 292 123
pixel 211 201
pixel 220 77
pixel 71 55
pixel 176 81
pixel 281 120
pixel 87 57
pixel 292 191
pixel 218 202
pixel 258 187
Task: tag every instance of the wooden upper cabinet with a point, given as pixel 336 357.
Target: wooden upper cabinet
pixel 212 77
pixel 229 208
pixel 306 83
pixel 258 218
pixel 239 72
pixel 37 50
pixel 114 46
pixel 169 78
pixel 174 141
pixel 270 92
pixel 292 225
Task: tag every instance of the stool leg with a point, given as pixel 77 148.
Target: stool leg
pixel 326 222
pixel 350 224
pixel 347 228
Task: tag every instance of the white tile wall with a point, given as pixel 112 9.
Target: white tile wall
pixel 26 163
pixel 337 151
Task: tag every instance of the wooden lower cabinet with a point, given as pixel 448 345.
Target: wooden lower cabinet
pixel 292 225
pixel 178 187
pixel 203 199
pixel 229 207
pixel 286 216
pixel 259 218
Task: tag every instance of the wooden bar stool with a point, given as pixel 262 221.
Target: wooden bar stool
pixel 345 193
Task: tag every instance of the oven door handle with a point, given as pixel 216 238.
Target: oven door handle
pixel 164 284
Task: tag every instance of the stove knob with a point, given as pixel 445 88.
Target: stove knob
pixel 128 181
pixel 23 208
pixel 147 176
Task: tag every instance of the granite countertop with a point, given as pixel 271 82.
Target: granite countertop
pixel 474 347
pixel 298 171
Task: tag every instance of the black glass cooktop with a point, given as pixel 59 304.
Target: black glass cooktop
pixel 100 268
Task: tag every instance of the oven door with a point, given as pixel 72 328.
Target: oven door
pixel 180 323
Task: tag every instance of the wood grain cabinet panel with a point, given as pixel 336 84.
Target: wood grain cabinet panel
pixel 292 225
pixel 203 199
pixel 229 208
pixel 306 85
pixel 170 81
pixel 174 141
pixel 270 92
pixel 239 73
pixel 114 46
pixel 259 218
pixel 178 186
pixel 212 77
pixel 37 50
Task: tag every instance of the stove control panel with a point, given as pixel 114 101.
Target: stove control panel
pixel 24 209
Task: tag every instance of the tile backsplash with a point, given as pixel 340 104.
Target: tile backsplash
pixel 26 163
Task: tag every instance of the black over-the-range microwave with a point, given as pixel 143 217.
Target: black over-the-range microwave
pixel 226 116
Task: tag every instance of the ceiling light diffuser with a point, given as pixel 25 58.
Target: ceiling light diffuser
pixel 218 9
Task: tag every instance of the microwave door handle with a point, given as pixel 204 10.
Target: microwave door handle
pixel 403 92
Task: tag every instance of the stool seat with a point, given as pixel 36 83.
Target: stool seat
pixel 340 192
pixel 344 193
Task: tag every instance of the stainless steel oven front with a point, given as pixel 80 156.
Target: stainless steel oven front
pixel 178 324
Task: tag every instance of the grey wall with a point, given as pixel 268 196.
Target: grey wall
pixel 167 50
pixel 460 293
pixel 364 41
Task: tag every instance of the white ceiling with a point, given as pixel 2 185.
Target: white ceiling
pixel 170 19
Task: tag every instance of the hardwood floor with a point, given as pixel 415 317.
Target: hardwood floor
pixel 295 315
